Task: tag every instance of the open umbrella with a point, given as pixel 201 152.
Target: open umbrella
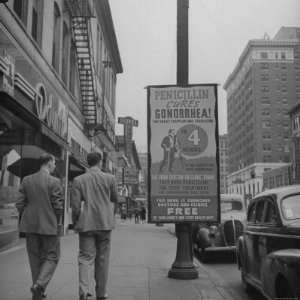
pixel 28 163
pixel 24 166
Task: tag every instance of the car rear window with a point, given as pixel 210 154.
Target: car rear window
pixel 290 207
pixel 231 205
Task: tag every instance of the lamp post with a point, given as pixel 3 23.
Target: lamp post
pixel 183 267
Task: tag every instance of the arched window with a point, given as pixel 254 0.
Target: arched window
pixel 37 24
pixel 21 9
pixel 72 75
pixel 56 38
pixel 65 57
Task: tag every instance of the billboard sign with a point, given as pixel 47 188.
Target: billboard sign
pixel 131 176
pixel 183 154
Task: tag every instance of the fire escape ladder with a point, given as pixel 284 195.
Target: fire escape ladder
pixel 82 36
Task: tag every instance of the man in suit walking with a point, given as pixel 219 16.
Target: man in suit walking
pixel 40 205
pixel 94 201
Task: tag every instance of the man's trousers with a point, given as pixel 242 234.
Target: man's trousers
pixel 94 252
pixel 43 253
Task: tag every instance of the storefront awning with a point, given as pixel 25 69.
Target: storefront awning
pixel 18 109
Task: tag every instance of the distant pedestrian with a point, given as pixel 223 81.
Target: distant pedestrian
pixel 136 216
pixel 143 214
pixel 94 201
pixel 40 205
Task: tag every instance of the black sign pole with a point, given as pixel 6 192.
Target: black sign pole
pixel 183 266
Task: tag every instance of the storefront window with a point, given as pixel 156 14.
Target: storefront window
pixel 9 184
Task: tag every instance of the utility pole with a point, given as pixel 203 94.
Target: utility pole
pixel 183 266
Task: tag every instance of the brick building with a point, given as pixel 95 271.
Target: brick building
pixel 261 90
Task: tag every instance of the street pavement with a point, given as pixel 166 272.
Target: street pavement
pixel 141 257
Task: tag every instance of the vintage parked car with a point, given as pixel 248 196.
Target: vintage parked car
pixel 268 252
pixel 209 238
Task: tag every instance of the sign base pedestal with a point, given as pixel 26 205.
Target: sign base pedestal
pixel 183 267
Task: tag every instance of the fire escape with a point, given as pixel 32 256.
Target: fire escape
pixel 96 117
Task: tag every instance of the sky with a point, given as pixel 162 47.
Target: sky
pixel 219 30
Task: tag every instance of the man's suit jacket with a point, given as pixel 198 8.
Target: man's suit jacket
pixel 93 197
pixel 40 202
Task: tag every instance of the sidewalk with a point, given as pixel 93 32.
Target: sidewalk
pixel 141 257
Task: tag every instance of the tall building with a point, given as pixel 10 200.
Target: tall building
pixel 144 172
pixel 58 65
pixel 261 90
pixel 223 152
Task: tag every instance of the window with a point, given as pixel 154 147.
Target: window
pixel 283 56
pixel 271 215
pixel 264 55
pixel 65 57
pixel 72 75
pixel 21 9
pixel 251 212
pixel 266 101
pixel 264 66
pixel 56 38
pixel 259 211
pixel 264 88
pixel 34 23
pixel 266 124
pixel 291 207
pixel 265 112
pixel 266 135
pixel 99 52
pixel 264 77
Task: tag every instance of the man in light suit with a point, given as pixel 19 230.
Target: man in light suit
pixel 40 205
pixel 168 144
pixel 94 201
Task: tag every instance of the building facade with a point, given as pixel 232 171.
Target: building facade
pixel 129 175
pixel 261 90
pixel 58 66
pixel 295 144
pixel 249 181
pixel 143 157
pixel 277 177
pixel 223 159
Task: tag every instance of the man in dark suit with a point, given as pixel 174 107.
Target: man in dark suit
pixel 94 201
pixel 40 205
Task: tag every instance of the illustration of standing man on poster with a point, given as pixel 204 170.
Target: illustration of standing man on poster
pixel 183 158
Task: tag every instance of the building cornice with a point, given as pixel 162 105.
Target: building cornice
pixel 256 43
pixel 104 13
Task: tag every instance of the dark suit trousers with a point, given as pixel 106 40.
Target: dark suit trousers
pixel 43 253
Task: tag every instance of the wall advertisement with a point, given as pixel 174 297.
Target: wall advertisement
pixel 183 154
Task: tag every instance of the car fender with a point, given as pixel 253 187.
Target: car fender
pixel 241 252
pixel 203 239
pixel 280 264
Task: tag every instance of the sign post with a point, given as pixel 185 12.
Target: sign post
pixel 183 154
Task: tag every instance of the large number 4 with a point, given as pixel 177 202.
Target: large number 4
pixel 194 137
